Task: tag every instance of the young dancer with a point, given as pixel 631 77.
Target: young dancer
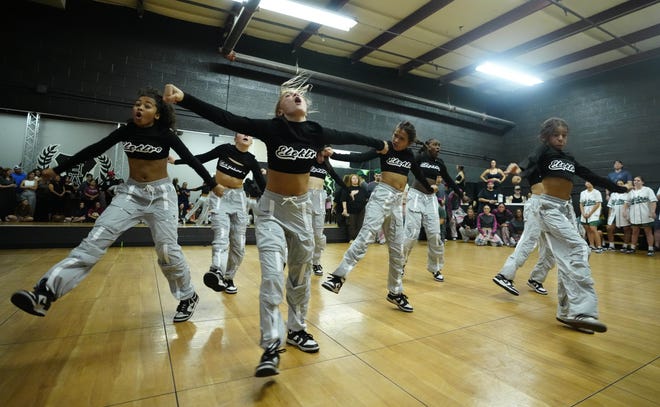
pixel 282 226
pixel 384 209
pixel 531 236
pixel 147 196
pixel 422 208
pixel 578 303
pixel 229 218
pixel 320 169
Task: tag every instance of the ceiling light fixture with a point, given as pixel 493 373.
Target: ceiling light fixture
pixel 509 74
pixel 305 12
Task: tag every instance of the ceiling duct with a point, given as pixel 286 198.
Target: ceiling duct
pixel 349 84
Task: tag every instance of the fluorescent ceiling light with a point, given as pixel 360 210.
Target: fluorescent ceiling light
pixel 508 73
pixel 304 12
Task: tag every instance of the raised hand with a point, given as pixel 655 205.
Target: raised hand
pixel 172 94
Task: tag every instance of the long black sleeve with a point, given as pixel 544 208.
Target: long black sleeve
pixel 203 158
pixel 333 174
pixel 91 151
pixel 192 161
pixel 355 157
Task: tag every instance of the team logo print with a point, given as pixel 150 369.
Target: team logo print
pixel 51 156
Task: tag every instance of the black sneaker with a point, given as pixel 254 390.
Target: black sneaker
pixel 186 308
pixel 303 340
pixel 214 280
pixel 437 276
pixel 650 253
pixel 401 301
pixel 333 283
pixel 506 284
pixel 536 286
pixel 585 322
pixel 35 302
pixel 230 287
pixel 270 360
pixel 630 251
pixel 317 269
pixel 583 330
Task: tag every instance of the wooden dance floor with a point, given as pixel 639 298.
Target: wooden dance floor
pixel 111 341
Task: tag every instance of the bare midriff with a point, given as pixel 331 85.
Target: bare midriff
pixel 228 181
pixel 557 187
pixel 397 181
pixel 316 183
pixel 147 170
pixel 418 185
pixel 287 184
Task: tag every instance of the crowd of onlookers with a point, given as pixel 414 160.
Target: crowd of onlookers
pixel 493 214
pixel 26 196
pixel 490 217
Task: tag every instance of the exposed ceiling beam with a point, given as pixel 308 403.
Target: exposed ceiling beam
pixel 505 19
pixel 408 22
pixel 603 17
pixel 633 59
pixel 313 28
pixel 241 23
pixel 232 15
pixel 610 45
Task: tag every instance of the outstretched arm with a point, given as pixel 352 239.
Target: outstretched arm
pixel 215 114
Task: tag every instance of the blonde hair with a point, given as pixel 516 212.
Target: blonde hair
pixel 298 84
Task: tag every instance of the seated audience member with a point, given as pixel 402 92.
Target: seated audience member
pixel 22 213
pixel 517 224
pixel 487 227
pixel 94 212
pixel 468 227
pixel 504 218
pixel 91 194
pixel 79 215
pixel 517 196
pixel 487 196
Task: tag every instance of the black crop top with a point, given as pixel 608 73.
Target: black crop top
pixel 434 167
pixel 553 163
pixel 291 146
pixel 144 143
pixel 232 162
pixel 321 170
pixel 398 162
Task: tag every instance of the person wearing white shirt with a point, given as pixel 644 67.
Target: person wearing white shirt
pixel 640 208
pixel 590 206
pixel 616 218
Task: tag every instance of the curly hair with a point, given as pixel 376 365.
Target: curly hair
pixel 166 110
pixel 550 126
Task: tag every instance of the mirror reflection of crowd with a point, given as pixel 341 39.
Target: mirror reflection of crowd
pixel 27 197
